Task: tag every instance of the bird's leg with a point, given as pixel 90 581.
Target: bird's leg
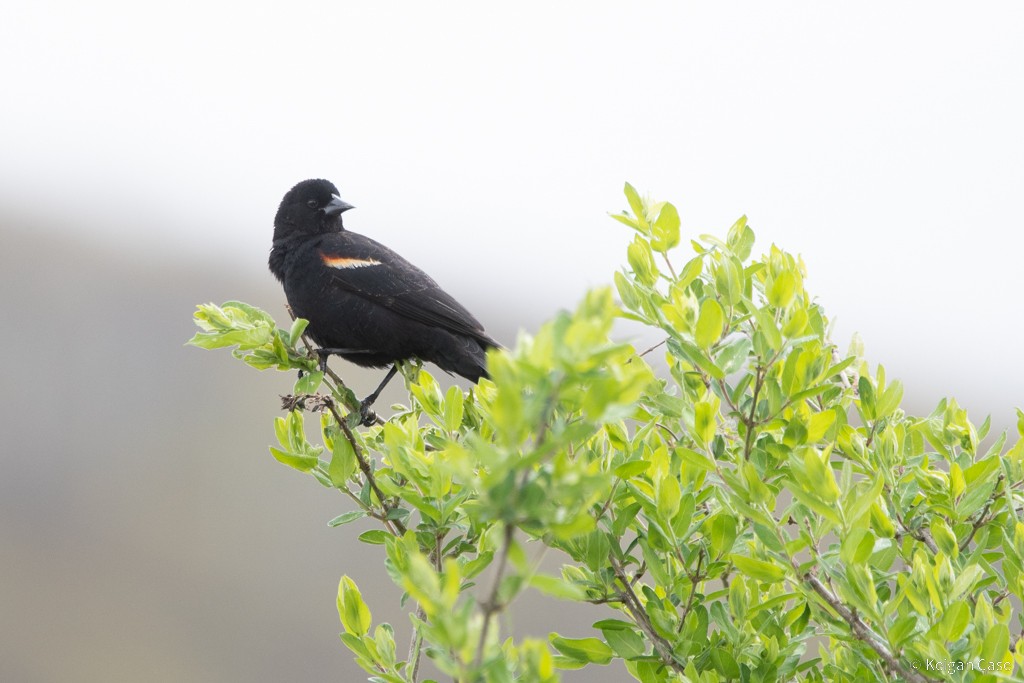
pixel 369 418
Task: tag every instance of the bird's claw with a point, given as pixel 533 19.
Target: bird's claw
pixel 323 356
pixel 368 418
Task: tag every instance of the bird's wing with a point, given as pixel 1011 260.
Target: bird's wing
pixel 370 270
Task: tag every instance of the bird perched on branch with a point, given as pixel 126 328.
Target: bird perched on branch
pixel 363 301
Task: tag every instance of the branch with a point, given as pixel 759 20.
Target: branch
pixel 364 465
pixel 920 535
pixel 632 602
pixel 863 632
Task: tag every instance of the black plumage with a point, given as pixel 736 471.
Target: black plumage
pixel 363 301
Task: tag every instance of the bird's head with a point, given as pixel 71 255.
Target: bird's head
pixel 310 208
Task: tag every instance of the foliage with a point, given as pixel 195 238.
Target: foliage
pixel 766 511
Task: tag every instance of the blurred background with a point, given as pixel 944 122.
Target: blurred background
pixel 146 534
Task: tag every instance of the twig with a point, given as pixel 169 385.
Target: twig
pixel 695 578
pixel 750 422
pixel 632 603
pixel 670 268
pixel 491 605
pixel 920 535
pixel 641 355
pixel 364 465
pixel 416 646
pixel 982 518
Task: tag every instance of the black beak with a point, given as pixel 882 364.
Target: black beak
pixel 336 207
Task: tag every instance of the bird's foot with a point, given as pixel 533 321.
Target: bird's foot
pixel 323 355
pixel 368 418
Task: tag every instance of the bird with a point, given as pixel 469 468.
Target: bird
pixel 364 302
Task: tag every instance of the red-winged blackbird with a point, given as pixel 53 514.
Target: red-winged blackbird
pixel 363 301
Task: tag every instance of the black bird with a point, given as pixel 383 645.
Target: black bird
pixel 363 301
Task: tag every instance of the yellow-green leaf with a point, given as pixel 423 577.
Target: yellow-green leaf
pixel 709 323
pixel 758 569
pixel 355 615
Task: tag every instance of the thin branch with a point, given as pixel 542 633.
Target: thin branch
pixel 863 632
pixel 491 606
pixel 695 578
pixel 919 534
pixel 749 422
pixel 644 353
pixel 670 268
pixel 983 518
pixel 632 602
pixel 416 646
pixel 364 465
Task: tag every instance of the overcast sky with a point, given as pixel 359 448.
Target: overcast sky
pixel 883 141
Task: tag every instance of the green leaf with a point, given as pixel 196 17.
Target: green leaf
pixel 582 649
pixel 704 421
pixel 641 260
pixel 374 537
pixel 758 569
pixel 453 409
pixel 782 289
pixel 637 206
pixel 741 239
pixel 954 621
pixel 709 324
pixel 557 587
pixel 902 630
pixel 627 292
pixel 691 271
pixel 308 383
pixel 355 615
pixel 626 643
pixel 733 354
pixel 863 500
pixel 668 497
pixel 996 645
pixel 628 470
pixel 725 663
pixel 722 532
pixel 857 546
pixel 766 325
pixel 684 349
pixel 626 220
pixel 867 398
pixel 965 581
pixel 944 537
pixel 350 516
pixel 343 462
pixel 299 461
pixel 694 458
pixel 890 399
pixel 295 333
pixel 665 231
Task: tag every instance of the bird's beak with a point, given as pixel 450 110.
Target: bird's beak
pixel 336 206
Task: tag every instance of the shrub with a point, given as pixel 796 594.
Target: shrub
pixel 766 511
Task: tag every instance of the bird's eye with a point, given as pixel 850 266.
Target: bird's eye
pixel 311 204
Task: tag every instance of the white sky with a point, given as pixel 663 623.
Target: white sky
pixel 883 141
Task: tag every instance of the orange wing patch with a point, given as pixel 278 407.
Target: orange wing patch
pixel 344 262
